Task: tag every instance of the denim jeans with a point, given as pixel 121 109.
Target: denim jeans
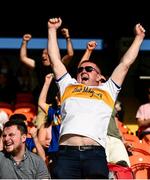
pixel 78 164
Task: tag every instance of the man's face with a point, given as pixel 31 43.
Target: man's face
pixel 45 58
pixel 13 141
pixel 88 74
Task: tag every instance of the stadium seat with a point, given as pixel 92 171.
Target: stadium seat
pixel 24 97
pixel 8 108
pixel 140 165
pixel 131 138
pixel 119 172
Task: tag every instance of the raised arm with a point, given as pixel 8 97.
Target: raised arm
pixel 23 52
pixel 91 45
pixel 129 57
pixel 45 135
pixel 42 98
pixel 53 49
pixel 39 148
pixel 70 52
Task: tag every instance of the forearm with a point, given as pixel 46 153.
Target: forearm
pixel 39 148
pixel 86 56
pixel 53 50
pixel 132 53
pixel 70 52
pixel 23 51
pixel 23 56
pixel 42 97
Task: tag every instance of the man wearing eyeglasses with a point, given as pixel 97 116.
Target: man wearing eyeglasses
pixel 86 106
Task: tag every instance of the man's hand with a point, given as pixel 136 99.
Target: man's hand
pixel 65 33
pixel 54 23
pixel 139 30
pixel 91 45
pixel 27 37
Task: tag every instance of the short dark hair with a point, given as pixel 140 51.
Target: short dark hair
pixel 122 163
pixel 20 125
pixel 18 116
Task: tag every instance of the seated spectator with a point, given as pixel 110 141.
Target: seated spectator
pixel 16 162
pixel 32 142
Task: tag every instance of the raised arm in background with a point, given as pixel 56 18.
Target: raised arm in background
pixel 91 45
pixel 42 98
pixel 31 62
pixel 70 52
pixel 44 134
pixel 39 149
pixel 23 52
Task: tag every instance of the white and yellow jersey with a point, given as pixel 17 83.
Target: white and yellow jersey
pixel 86 110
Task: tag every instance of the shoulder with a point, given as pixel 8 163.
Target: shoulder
pixel 1 154
pixel 3 157
pixel 146 105
pixel 35 157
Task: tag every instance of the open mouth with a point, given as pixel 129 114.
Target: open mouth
pixel 8 144
pixel 84 77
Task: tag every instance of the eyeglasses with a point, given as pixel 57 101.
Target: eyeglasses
pixel 87 69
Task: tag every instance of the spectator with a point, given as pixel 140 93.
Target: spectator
pixel 86 106
pixel 115 139
pixel 32 142
pixel 42 68
pixel 49 131
pixel 16 162
pixel 143 120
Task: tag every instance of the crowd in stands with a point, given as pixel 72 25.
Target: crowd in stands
pixel 44 137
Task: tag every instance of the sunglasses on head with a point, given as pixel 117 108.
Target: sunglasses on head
pixel 87 69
